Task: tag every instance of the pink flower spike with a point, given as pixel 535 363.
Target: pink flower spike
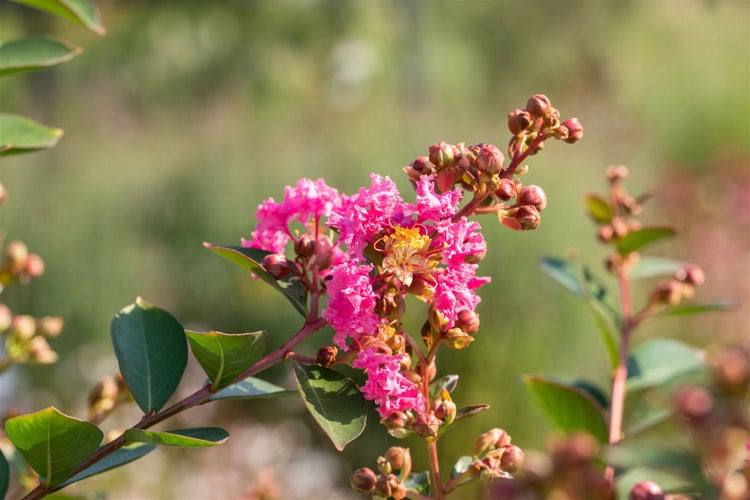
pixel 351 302
pixel 435 207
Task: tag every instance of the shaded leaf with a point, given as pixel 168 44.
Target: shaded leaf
pixel 649 267
pixel 658 361
pixel 418 482
pixel 200 437
pixel 251 259
pixel 678 461
pixel 82 12
pixel 636 240
pixel 563 272
pixel 448 382
pixel 567 407
pixel 721 305
pixel 648 419
pixel 4 475
pixel 599 208
pixel 461 465
pixel 470 411
pixel 333 400
pixel 151 351
pixel 119 457
pixel 53 443
pixel 253 388
pixel 22 135
pixel 225 356
pixel 34 52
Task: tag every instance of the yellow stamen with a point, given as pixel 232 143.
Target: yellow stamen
pixel 405 251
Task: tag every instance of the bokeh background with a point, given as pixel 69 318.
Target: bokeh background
pixel 188 114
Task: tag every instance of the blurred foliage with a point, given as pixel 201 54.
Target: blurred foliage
pixel 188 114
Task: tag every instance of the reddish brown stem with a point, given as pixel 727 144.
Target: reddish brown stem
pixel 437 485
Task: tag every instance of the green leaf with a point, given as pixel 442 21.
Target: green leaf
pixel 121 456
pixel 461 466
pixel 53 443
pixel 333 400
pixel 253 388
pixel 82 12
pixel 251 260
pixel 679 461
pixel 4 475
pixel 563 273
pixel 225 356
pixel 635 240
pixel 649 267
pixel 647 419
pixel 34 52
pixel 470 411
pixel 658 361
pixel 721 305
pixel 567 407
pixel 448 382
pixel 418 482
pixel 599 208
pixel 200 437
pixel 151 350
pixel 22 135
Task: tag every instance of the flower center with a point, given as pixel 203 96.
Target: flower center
pixel 406 253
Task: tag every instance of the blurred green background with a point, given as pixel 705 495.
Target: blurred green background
pixel 186 115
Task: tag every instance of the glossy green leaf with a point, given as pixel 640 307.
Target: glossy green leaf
pixel 333 400
pixel 225 356
pixel 34 52
pixel 4 475
pixel 119 457
pixel 635 240
pixel 200 437
pixel 448 382
pixel 649 267
pixel 151 351
pixel 251 259
pixel 418 482
pixel 253 388
pixel 22 135
pixel 82 12
pixel 53 443
pixel 687 309
pixel 567 407
pixel 658 361
pixel 599 208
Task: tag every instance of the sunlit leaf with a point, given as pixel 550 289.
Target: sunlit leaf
pixel 22 135
pixel 253 388
pixel 567 407
pixel 119 457
pixel 635 240
pixel 151 351
pixel 200 437
pixel 35 52
pixel 225 356
pixel 649 267
pixel 53 443
pixel 448 382
pixel 461 466
pixel 251 259
pixel 599 208
pixel 470 411
pixel 82 12
pixel 333 400
pixel 684 310
pixel 658 361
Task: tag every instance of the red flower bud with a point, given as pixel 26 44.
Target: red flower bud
pixel 646 490
pixel 489 159
pixel 518 121
pixel 539 106
pixel 575 130
pixel 528 217
pixel 468 321
pixel 691 275
pixel 363 480
pixel 441 155
pixel 533 195
pixel 277 265
pixel 304 246
pixel 326 356
pixel 512 458
pixel 693 403
pixel 16 254
pixel 506 191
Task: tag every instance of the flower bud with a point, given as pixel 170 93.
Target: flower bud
pixel 731 370
pixel 512 458
pixel 490 440
pixel 533 195
pixel 423 166
pixel 668 294
pixel 326 356
pixel 16 254
pixel 397 423
pixel 41 351
pixel 518 121
pixel 50 326
pixel 446 410
pixel 539 106
pixel 396 342
pixel 441 155
pixel 23 327
pixel 427 425
pixel 277 265
pixel 691 275
pixel 616 173
pixel 528 217
pixel 304 246
pixel 400 459
pixel 323 252
pixel 605 234
pixel 445 179
pixel 363 480
pixel 384 467
pixel 575 130
pixel 646 490
pixel 489 159
pixel 386 485
pixel 6 317
pixel 693 404
pixel 456 339
pixel 103 398
pixel 506 190
pixel 468 321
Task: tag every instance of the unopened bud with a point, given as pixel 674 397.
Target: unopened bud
pixel 6 317
pixel 693 403
pixel 606 233
pixel 668 294
pixel 456 339
pixel 506 190
pixel 518 121
pixel 384 467
pixel 34 266
pixel 539 106
pixel 445 179
pixel 491 440
pixel 41 351
pixel 400 459
pixel 304 246
pixel 512 458
pixel 23 327
pixel 646 490
pixel 423 166
pixel 103 398
pixel 326 356
pixel 426 425
pixel 323 252
pixel 468 321
pixel 446 410
pixel 16 254
pixel 50 326
pixel 396 342
pixel 489 159
pixel 277 266
pixel 441 155
pixel 397 423
pixel 731 370
pixel 527 217
pixel 616 173
pixel 575 130
pixel 385 485
pixel 533 195
pixel 691 275
pixel 363 480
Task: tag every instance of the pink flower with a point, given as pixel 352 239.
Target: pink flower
pixel 386 385
pixel 435 207
pixel 460 240
pixel 454 291
pixel 351 302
